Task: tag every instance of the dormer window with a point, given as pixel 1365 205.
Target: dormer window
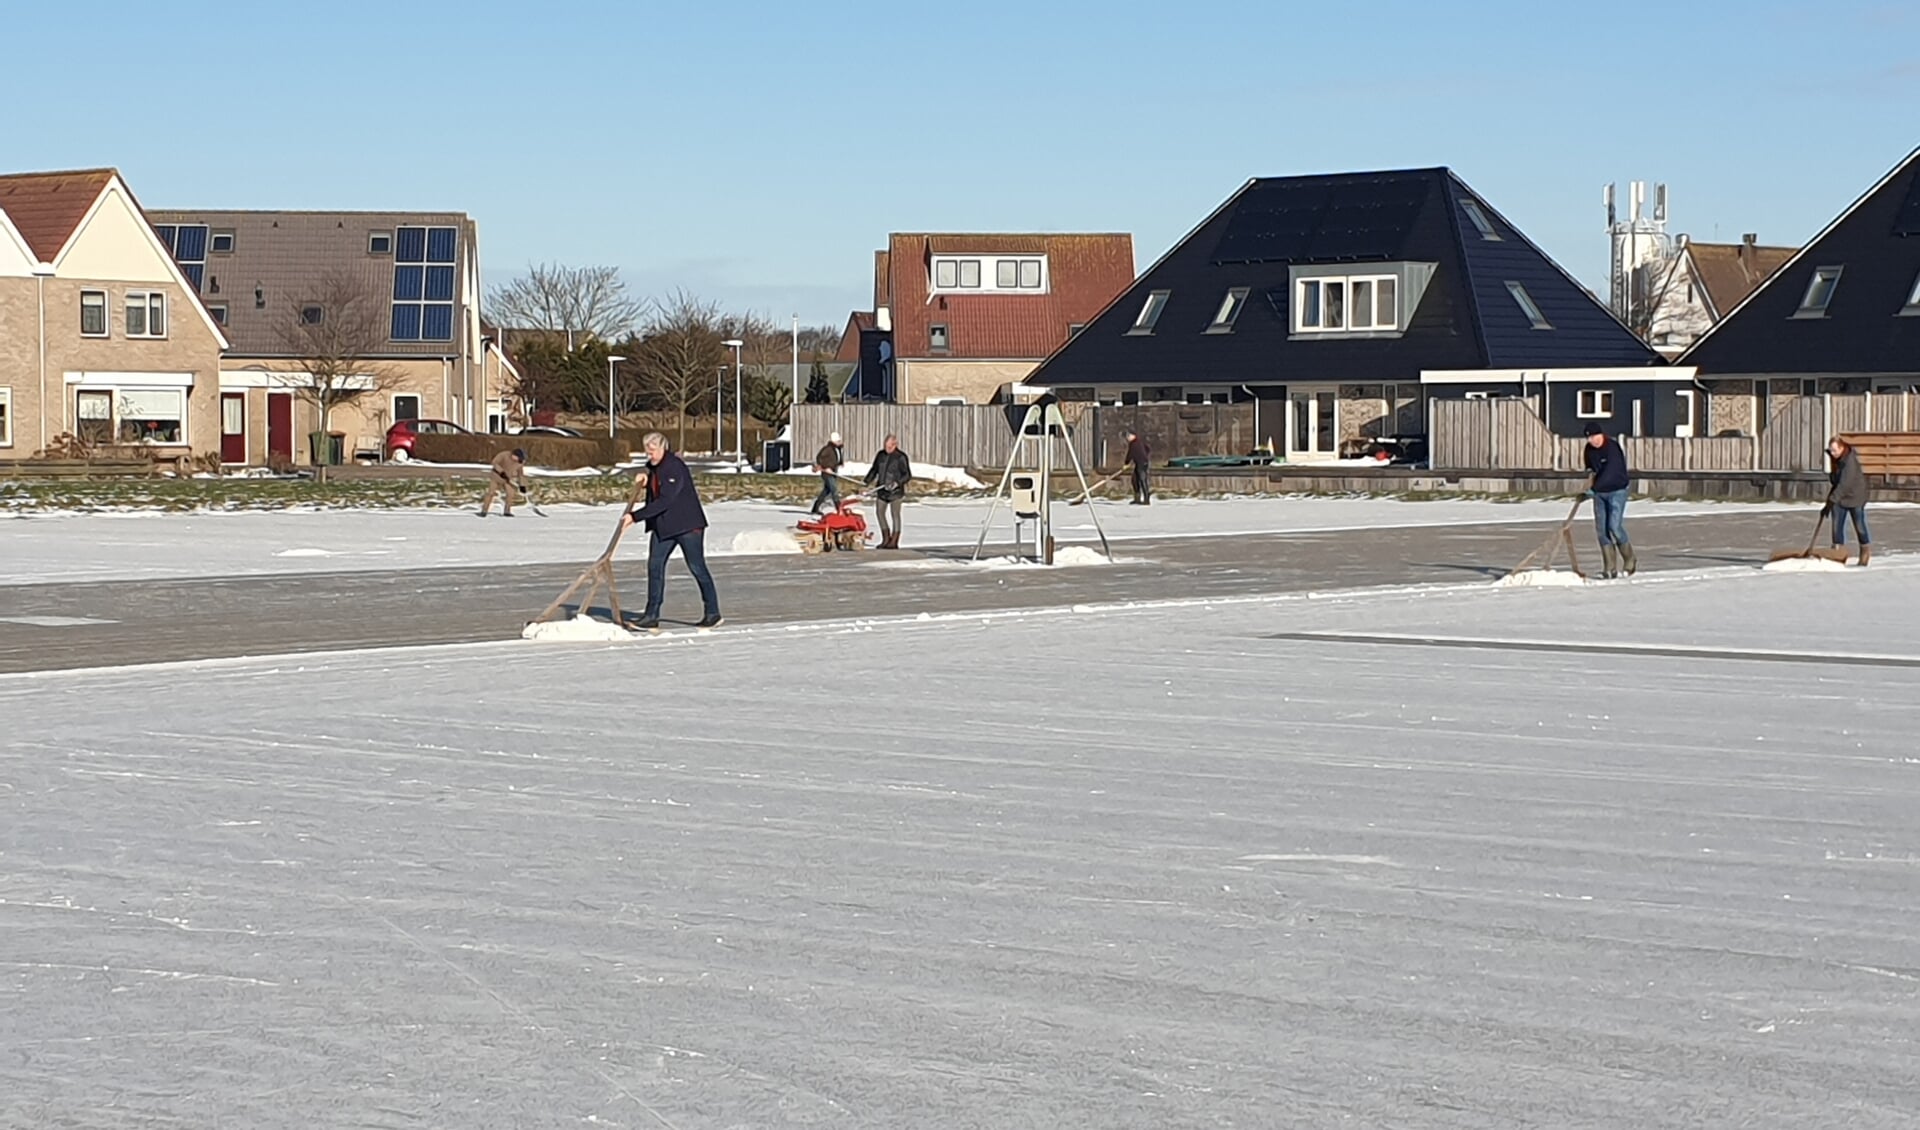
pixel 1337 303
pixel 1819 293
pixel 1528 307
pixel 991 274
pixel 1230 307
pixel 1150 312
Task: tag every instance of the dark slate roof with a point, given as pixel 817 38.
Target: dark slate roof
pixel 1876 243
pixel 1467 318
pixel 290 256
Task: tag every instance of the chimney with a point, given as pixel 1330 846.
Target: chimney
pixel 1749 254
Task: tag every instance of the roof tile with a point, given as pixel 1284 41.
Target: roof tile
pixel 47 207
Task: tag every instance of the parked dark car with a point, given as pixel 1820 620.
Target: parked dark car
pixel 400 435
pixel 549 430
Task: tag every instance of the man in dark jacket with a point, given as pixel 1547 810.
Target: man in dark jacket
pixel 1607 466
pixel 673 515
pixel 891 472
pixel 1848 498
pixel 1139 457
pixel 509 469
pixel 828 464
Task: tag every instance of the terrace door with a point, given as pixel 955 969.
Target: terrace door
pixel 1310 424
pixel 233 427
pixel 280 425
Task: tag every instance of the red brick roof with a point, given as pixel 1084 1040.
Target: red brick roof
pixel 1085 272
pixel 47 207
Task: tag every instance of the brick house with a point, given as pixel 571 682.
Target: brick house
pixel 960 317
pixel 413 279
pixel 101 333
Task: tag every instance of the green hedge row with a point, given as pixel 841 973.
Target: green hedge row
pixel 558 452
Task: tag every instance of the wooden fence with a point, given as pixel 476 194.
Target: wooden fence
pixel 980 436
pixel 1508 435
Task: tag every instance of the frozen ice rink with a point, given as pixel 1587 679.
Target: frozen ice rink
pixel 1629 855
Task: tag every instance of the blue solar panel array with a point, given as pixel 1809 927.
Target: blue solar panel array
pixel 187 243
pixel 423 290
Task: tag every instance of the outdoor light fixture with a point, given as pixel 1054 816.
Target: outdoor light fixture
pixel 612 360
pixel 739 409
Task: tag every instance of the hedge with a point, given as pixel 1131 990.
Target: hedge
pixel 561 453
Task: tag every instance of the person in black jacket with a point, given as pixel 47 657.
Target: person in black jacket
pixel 827 462
pixel 1607 486
pixel 891 472
pixel 1848 498
pixel 1140 457
pixel 673 515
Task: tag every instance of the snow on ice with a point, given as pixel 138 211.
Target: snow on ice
pixel 1541 578
pixel 579 629
pixel 1805 565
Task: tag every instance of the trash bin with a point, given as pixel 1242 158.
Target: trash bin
pixel 336 448
pixel 776 455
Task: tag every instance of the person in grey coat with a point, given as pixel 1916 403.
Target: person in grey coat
pixel 1848 498
pixel 889 476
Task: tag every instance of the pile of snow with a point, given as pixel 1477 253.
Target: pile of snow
pixel 1540 579
pixel 580 629
pixel 930 472
pixel 1804 565
pixel 765 541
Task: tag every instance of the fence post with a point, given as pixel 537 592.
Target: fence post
pixel 1493 432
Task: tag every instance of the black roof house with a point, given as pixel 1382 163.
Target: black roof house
pixel 1346 278
pixel 1847 305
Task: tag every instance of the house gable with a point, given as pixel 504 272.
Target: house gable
pixel 45 208
pixel 1078 273
pixel 114 242
pixel 1864 322
pixel 16 258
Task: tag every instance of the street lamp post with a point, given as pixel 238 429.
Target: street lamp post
pixel 739 408
pixel 612 360
pixel 719 413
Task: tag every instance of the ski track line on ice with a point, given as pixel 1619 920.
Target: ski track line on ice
pixel 1660 650
pixel 847 625
pixel 517 1013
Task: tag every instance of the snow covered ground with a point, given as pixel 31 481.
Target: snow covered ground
pixel 1623 855
pixel 146 546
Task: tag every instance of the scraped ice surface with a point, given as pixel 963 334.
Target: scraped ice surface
pixel 580 629
pixel 1804 565
pixel 1541 579
pixel 765 541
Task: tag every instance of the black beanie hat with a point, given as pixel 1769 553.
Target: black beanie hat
pixel 1593 429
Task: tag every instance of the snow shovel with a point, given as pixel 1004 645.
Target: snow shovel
pixel 531 504
pixel 1551 547
pixel 1832 553
pixel 1087 495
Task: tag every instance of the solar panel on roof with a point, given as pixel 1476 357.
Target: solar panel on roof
pixel 1907 220
pixel 1324 220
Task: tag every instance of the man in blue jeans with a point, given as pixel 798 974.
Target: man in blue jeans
pixel 673 515
pixel 1607 464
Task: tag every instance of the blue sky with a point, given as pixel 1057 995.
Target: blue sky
pixel 757 154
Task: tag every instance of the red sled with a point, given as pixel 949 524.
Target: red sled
pixel 844 528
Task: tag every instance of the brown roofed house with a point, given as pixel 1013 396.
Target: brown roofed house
pixel 1703 283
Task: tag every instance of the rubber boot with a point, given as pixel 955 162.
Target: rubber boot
pixel 1609 562
pixel 1866 555
pixel 1626 556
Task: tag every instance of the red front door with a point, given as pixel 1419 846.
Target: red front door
pixel 280 425
pixel 233 427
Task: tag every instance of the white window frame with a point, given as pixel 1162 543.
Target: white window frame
pixel 1529 307
pixel 1232 305
pixel 115 419
pixel 1593 404
pixel 945 334
pixel 218 311
pixel 6 416
pixel 213 239
pixel 386 235
pixel 1477 216
pixel 983 274
pixel 1150 311
pixel 148 302
pixel 106 320
pixel 1828 275
pixel 1319 286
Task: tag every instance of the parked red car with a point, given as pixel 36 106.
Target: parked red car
pixel 400 435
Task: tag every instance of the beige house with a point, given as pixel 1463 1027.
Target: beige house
pixel 393 299
pixel 102 335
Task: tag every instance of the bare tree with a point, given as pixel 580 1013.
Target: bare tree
pixel 819 341
pixel 573 302
pixel 333 339
pixel 679 354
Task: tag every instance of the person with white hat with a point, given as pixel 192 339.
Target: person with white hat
pixel 828 464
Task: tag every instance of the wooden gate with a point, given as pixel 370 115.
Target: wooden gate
pixel 1795 437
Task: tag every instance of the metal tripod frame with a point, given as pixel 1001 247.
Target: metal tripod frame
pixel 1041 423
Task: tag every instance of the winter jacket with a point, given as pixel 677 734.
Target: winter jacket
pixel 1608 465
pixel 1138 453
pixel 891 470
pixel 1849 481
pixel 673 506
pixel 829 458
pixel 510 469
